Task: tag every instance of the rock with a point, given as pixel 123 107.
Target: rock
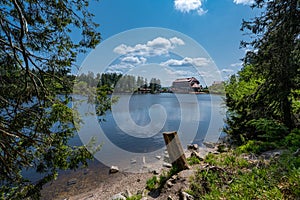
pixel 186 196
pixel 209 144
pixel 72 181
pixel 166 158
pixel 158 157
pixel 154 171
pixel 169 198
pixel 118 197
pixel 133 161
pixel 167 165
pixel 127 194
pixel 113 169
pixel 197 155
pixel 169 184
pixel 194 147
pixel 146 166
pixel 271 154
pixel 186 174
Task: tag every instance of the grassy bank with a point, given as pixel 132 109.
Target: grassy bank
pixel 233 175
pixel 237 175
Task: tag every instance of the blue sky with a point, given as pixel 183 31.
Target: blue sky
pixel 214 24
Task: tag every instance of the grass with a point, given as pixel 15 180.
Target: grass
pixel 193 160
pixel 230 176
pixel 156 182
pixel 135 197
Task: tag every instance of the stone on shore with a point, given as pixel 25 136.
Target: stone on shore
pixel 209 144
pixel 194 147
pixel 72 181
pixel 113 169
pixel 118 196
pixel 158 157
pixel 167 165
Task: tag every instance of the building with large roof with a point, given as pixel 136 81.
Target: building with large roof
pixel 186 85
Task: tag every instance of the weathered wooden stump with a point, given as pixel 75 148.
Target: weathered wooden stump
pixel 175 150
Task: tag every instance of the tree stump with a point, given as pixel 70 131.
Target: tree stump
pixel 175 150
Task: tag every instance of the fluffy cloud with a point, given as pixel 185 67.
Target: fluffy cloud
pixel 186 6
pixel 239 64
pixel 120 68
pixel 134 60
pixel 156 47
pixel 227 71
pixel 197 62
pixel 245 2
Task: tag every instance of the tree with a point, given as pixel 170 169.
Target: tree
pixel 36 56
pixel 264 89
pixel 277 55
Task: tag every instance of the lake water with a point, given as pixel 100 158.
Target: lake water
pixel 131 135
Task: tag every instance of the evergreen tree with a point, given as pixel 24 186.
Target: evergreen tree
pixel 36 56
pixel 264 89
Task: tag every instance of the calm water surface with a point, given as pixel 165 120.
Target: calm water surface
pixel 132 131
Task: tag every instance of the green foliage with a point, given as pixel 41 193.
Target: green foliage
pixel 263 99
pixel 230 160
pixel 268 130
pixel 292 140
pixel 155 182
pixel 36 121
pixel 151 183
pixel 193 160
pixel 135 197
pixel 217 88
pixel 225 179
pixel 257 147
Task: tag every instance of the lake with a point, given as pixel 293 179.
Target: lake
pixel 131 135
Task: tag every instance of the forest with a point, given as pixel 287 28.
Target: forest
pixel 118 83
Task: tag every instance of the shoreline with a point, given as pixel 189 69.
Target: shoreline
pixel 96 181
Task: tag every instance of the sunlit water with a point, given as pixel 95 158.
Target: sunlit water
pixel 132 131
pixel 196 118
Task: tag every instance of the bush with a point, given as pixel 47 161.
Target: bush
pixel 292 140
pixel 268 130
pixel 256 147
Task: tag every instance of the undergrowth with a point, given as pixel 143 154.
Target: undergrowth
pixel 157 182
pixel 231 176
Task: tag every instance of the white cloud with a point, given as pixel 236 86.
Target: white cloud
pixel 134 60
pixel 186 6
pixel 239 64
pixel 245 2
pixel 197 62
pixel 159 42
pixel 228 71
pixel 177 41
pixel 155 47
pixel 119 68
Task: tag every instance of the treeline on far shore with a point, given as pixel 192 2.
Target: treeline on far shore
pixel 118 83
